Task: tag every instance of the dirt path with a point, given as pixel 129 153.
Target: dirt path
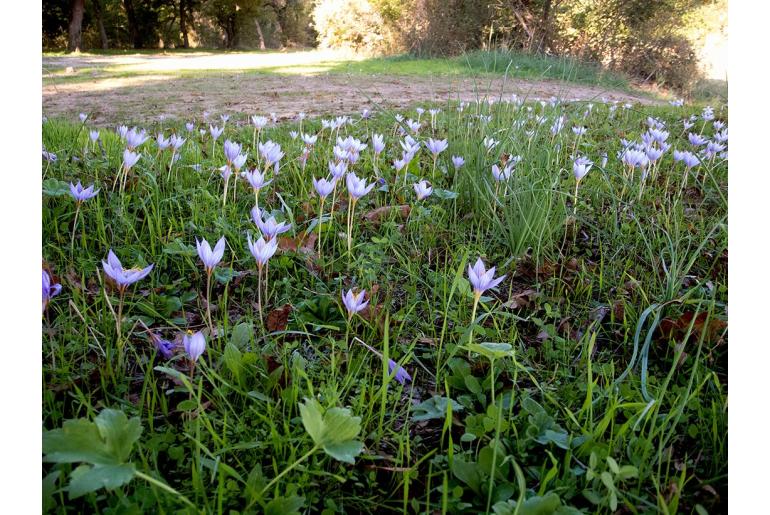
pixel 143 98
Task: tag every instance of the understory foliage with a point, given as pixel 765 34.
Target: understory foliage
pixel 373 360
pixel 651 41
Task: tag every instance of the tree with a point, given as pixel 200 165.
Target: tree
pixel 100 23
pixel 75 32
pixel 183 11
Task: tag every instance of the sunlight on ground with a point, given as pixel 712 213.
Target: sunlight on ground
pixel 314 61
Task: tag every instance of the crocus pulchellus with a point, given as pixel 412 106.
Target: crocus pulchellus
pixel 194 345
pixel 50 289
pixel 457 161
pixel 262 251
pixel 210 259
pixel 482 279
pixel 123 278
pixel 696 140
pixel 402 376
pixel 354 302
pixel 378 143
pixel 270 228
pixel 81 194
pixel 357 188
pixel 423 189
pixel 580 168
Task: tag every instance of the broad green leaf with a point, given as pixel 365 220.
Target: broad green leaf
pixel 344 451
pixel 435 407
pixel 119 433
pixel 187 405
pixel 55 187
pixel 469 473
pixel 340 426
pixel 333 431
pixel 49 487
pixel 77 441
pixel 233 359
pixel 241 335
pixel 87 479
pixel 285 505
pixel 312 419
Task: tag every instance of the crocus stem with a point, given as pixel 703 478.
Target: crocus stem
pixel 224 193
pixel 74 226
pixel 492 379
pixel 208 303
pixel 577 185
pixel 476 297
pixel 119 317
pixel 259 294
pixel 320 215
pixel 351 209
pixel 256 200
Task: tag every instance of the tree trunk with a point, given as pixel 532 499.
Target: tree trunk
pixel 133 30
pixel 259 33
pixel 100 23
pixel 77 7
pixel 183 23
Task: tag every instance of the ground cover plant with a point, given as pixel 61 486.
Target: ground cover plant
pixel 486 307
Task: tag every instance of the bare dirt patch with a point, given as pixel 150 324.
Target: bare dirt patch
pixel 143 98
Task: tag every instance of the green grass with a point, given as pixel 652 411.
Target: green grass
pixel 605 346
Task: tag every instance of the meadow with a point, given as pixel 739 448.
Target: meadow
pixel 347 347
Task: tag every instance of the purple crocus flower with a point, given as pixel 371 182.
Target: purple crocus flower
pixel 231 150
pixel 436 146
pixel 688 158
pixel 323 187
pixel 481 278
pixel 457 161
pixel 504 174
pixel 696 140
pixel 256 179
pixel 164 347
pixel 635 158
pixel 378 143
pixel 338 170
pixel 581 166
pixel 357 187
pixel 81 194
pixel 83 117
pixel 194 345
pixel 653 153
pixel 93 135
pixel 134 138
pixel 402 376
pixel 271 152
pixel 49 290
pixel 423 189
pixel 579 131
pixel 123 277
pixel 210 258
pixel 270 228
pixel 354 302
pixel 162 141
pixel 176 142
pixel 712 149
pixel 215 131
pixel 130 159
pixel 262 250
pixel 190 126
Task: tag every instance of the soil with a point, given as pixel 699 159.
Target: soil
pixel 158 92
